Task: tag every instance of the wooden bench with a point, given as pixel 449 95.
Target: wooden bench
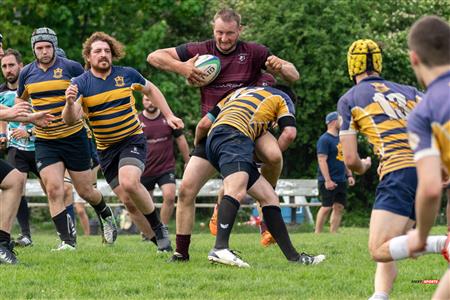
pixel 295 193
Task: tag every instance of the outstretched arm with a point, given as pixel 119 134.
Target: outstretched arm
pixel 157 98
pixel 285 69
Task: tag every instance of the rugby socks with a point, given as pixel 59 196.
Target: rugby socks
pixel 262 227
pixel 65 228
pixel 183 241
pixel 23 217
pixel 153 219
pixel 398 246
pixel 276 226
pixel 71 211
pixel 102 209
pixel 153 239
pixel 226 215
pixel 5 238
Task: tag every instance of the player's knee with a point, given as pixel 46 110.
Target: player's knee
pixel 375 253
pixel 275 158
pixel 86 192
pixel 54 192
pixel 185 194
pixel 338 208
pixel 130 185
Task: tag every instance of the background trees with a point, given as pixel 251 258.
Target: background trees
pixel 313 34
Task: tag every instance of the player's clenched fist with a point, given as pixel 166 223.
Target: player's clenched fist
pixel 274 63
pixel 71 93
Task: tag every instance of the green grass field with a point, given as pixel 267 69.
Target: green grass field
pixel 132 269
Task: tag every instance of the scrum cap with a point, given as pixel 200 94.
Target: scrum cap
pixel 44 34
pixel 363 56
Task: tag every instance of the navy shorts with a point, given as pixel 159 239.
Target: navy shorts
pixel 130 151
pixel 231 151
pixel 24 161
pixel 150 181
pixel 5 169
pixel 396 192
pixel 73 151
pixel 329 197
pixel 95 161
pixel 200 149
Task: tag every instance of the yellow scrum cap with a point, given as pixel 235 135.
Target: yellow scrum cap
pixel 362 56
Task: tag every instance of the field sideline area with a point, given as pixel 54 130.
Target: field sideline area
pixel 132 268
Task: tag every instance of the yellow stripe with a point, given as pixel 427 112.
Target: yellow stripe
pixel 107 96
pixel 109 121
pixel 102 130
pixel 44 86
pixel 51 135
pixel 110 110
pixel 102 145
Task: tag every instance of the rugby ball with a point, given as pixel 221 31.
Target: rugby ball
pixel 210 65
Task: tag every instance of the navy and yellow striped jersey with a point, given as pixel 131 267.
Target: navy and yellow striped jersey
pixel 109 104
pixel 254 110
pixel 429 123
pixel 46 89
pixel 378 109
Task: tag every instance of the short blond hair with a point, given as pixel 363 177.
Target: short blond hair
pixel 228 15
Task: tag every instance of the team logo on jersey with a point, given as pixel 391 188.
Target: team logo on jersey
pixel 119 81
pixel 57 73
pixel 242 58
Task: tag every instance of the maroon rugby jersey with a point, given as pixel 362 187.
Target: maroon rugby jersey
pixel 240 68
pixel 160 156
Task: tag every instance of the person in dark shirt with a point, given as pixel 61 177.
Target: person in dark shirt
pixel 160 162
pixel 242 65
pixel 332 175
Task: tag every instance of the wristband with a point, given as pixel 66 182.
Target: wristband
pixel 30 132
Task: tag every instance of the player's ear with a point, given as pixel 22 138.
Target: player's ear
pixel 414 58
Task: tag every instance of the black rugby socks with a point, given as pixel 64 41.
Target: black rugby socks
pixel 23 217
pixel 276 226
pixel 226 215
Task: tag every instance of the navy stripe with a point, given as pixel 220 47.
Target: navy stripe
pixel 239 108
pixel 48 94
pixel 115 124
pixel 397 149
pixel 380 118
pixel 117 137
pixel 402 141
pixel 49 106
pixel 252 104
pixel 110 104
pixel 393 131
pixel 255 95
pixel 111 116
pixel 118 130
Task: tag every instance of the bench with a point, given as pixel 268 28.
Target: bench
pixel 295 193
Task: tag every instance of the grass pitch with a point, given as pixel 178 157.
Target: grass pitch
pixel 132 269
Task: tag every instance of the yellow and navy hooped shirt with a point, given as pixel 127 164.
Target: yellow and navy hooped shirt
pixel 109 104
pixel 429 123
pixel 46 90
pixel 379 109
pixel 254 110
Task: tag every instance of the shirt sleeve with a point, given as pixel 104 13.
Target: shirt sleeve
pixel 22 93
pixel 77 69
pixel 187 51
pixel 137 80
pixel 420 134
pixel 322 146
pixel 261 54
pixel 345 117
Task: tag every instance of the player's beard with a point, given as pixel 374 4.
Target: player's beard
pixel 12 78
pixel 151 109
pixel 100 68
